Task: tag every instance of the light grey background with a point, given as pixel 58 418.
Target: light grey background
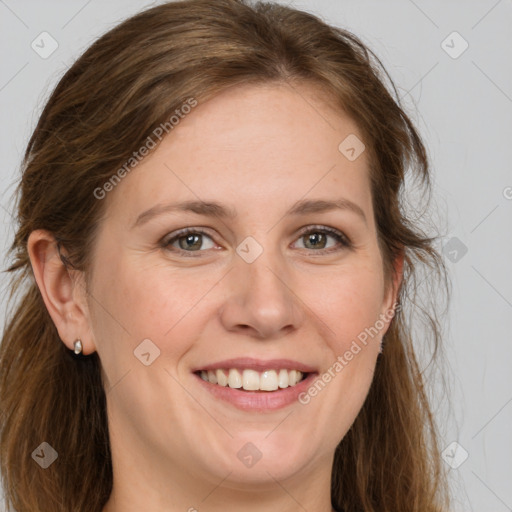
pixel 463 108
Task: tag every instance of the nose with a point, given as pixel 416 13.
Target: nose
pixel 260 302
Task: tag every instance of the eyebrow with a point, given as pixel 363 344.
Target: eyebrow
pixel 217 210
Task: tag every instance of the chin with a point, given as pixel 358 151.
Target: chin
pixel 261 458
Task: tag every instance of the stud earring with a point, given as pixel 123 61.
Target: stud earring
pixel 78 346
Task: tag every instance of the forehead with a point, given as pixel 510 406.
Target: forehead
pixel 251 143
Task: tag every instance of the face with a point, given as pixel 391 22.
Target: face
pixel 279 272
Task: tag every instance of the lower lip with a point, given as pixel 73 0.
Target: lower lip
pixel 258 401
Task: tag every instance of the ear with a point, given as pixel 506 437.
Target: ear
pixel 63 291
pixel 390 302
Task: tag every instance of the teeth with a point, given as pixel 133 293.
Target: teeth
pixel 268 381
pixel 234 379
pixel 251 380
pixel 283 379
pixel 222 379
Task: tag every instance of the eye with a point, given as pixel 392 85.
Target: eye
pixel 189 240
pixel 317 238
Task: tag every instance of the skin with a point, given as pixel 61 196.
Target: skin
pixel 257 150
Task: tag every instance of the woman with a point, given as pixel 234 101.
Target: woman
pixel 210 251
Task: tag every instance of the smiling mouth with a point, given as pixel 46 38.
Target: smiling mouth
pixel 252 380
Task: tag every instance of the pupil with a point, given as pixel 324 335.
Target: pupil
pixel 191 242
pixel 316 239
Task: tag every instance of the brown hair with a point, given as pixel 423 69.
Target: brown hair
pixel 124 86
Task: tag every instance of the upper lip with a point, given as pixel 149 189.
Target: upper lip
pixel 251 363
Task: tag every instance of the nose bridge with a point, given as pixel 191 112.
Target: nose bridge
pixel 260 297
pixel 266 283
pixel 260 262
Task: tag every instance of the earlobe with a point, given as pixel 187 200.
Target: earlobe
pixel 58 289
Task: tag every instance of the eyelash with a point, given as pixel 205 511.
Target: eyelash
pixel 342 240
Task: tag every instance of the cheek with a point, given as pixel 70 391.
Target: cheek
pixel 353 344
pixel 349 303
pixel 150 302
